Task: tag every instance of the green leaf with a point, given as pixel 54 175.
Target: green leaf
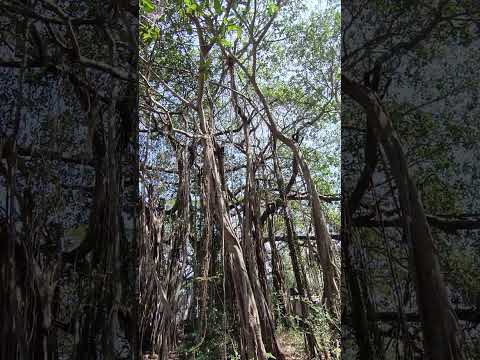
pixel 149 33
pixel 147 6
pixel 77 231
pixel 205 66
pixel 234 27
pixel 226 43
pixel 272 8
pixel 190 6
pixel 217 5
pixel 270 356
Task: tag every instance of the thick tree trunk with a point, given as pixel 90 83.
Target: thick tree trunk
pixel 441 333
pixel 244 294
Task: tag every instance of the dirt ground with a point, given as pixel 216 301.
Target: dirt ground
pixel 292 347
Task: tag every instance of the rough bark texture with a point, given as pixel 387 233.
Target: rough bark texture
pixel 244 293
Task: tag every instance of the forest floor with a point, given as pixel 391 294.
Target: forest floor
pixel 292 345
pixel 291 342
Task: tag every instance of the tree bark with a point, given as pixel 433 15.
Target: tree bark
pixel 205 253
pixel 442 336
pixel 278 278
pixel 244 293
pixel 298 269
pixel 363 322
pixel 325 246
pixel 252 244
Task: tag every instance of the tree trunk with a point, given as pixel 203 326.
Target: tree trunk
pixel 361 307
pixel 244 294
pixel 442 336
pixel 278 276
pixel 298 270
pixel 243 291
pixel 325 246
pixel 204 253
pixel 251 239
